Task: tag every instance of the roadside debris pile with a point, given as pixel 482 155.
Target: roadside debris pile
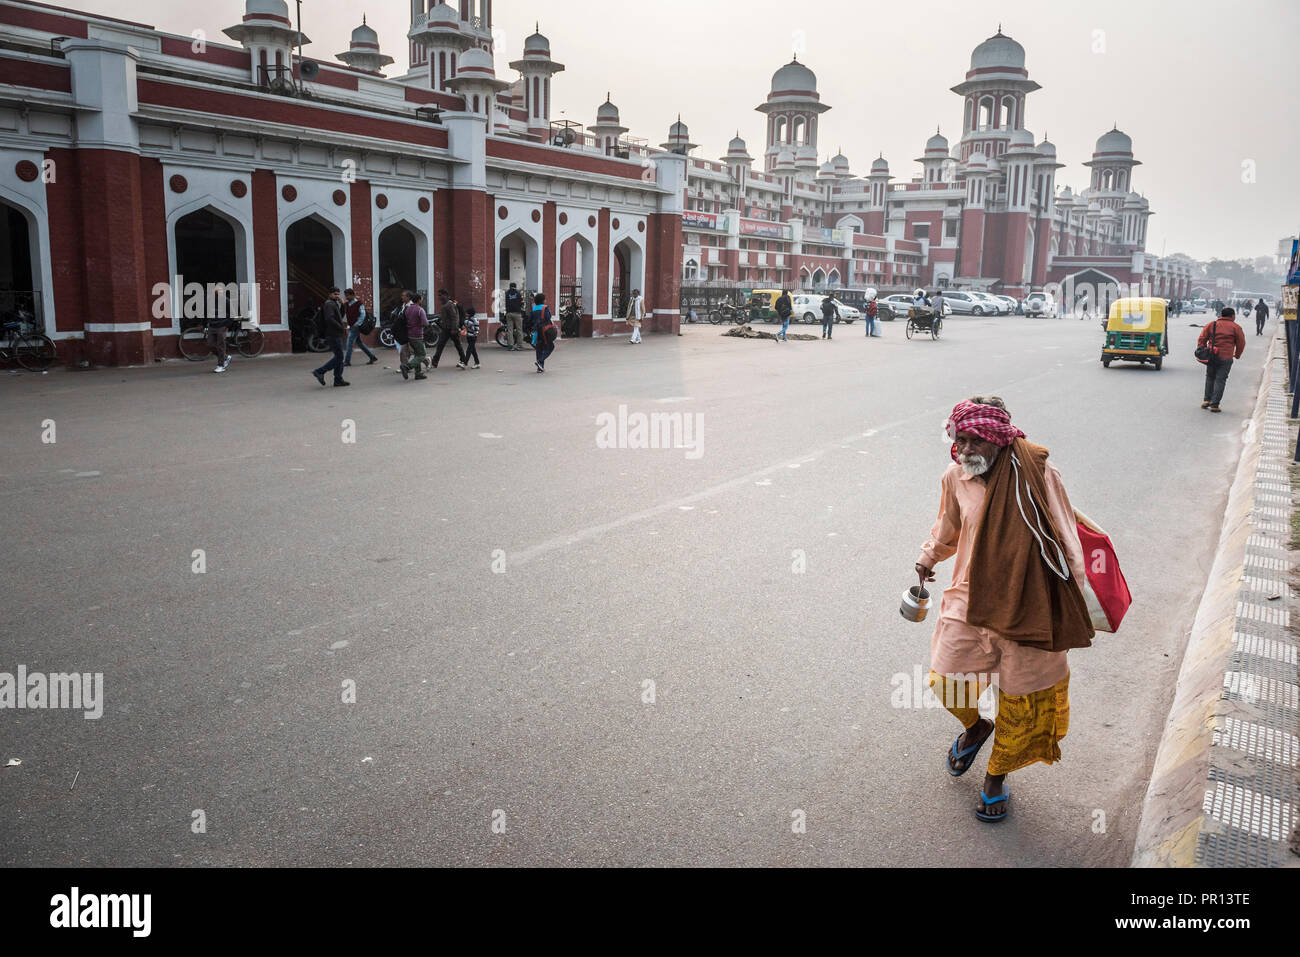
pixel 748 332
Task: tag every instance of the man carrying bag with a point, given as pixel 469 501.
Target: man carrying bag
pixel 1220 342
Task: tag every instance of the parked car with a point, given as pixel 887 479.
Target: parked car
pixel 958 303
pixel 1011 302
pixel 808 307
pixel 893 307
pixel 1040 304
pixel 1197 305
pixel 986 304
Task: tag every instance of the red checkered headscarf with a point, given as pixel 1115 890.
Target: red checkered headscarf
pixel 987 421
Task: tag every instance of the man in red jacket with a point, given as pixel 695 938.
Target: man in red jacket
pixel 1229 342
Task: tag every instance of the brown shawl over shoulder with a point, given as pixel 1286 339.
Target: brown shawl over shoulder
pixel 1012 591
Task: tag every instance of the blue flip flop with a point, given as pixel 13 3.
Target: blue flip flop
pixel 972 752
pixel 990 801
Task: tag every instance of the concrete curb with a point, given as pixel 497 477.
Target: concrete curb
pixel 1173 815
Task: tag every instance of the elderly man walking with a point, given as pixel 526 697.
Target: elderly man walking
pixel 1016 603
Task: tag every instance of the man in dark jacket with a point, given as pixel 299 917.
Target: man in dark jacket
pixel 448 328
pixel 829 315
pixel 784 307
pixel 416 320
pixel 1261 317
pixel 515 318
pixel 335 330
pixel 1229 342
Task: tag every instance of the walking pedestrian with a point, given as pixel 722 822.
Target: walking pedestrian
pixel 334 330
pixel 635 315
pixel 1016 603
pixel 1228 342
pixel 396 317
pixel 216 329
pixel 1261 316
pixel 514 318
pixel 784 309
pixel 872 312
pixel 829 314
pixel 360 323
pixel 544 331
pixel 416 321
pixel 449 321
pixel 470 331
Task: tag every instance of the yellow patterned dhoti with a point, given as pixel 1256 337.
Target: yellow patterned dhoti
pixel 1028 726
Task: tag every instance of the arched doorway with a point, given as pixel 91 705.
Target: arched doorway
pixel 208 273
pixel 577 282
pixel 402 257
pixel 312 261
pixel 518 262
pixel 19 296
pixel 818 280
pixel 628 274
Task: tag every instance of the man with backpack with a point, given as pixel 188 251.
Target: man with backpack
pixel 450 319
pixel 871 312
pixel 1226 341
pixel 408 331
pixel 544 331
pixel 829 314
pixel 514 318
pixel 360 323
pixel 332 328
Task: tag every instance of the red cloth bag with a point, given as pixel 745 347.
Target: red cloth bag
pixel 1105 590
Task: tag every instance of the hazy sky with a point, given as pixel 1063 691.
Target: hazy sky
pixel 1202 86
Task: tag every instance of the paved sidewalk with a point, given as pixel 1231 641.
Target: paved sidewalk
pixel 1251 799
pixel 1224 790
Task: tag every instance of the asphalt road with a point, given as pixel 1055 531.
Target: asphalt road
pixel 518 698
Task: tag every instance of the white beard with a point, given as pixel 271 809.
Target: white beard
pixel 974 465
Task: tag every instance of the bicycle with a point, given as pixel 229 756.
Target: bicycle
pixel 247 341
pixel 33 351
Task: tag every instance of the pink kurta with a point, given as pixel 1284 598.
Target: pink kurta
pixel 959 648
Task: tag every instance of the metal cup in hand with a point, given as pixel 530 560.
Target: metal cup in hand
pixel 916 603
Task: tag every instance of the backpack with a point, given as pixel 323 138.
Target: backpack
pixel 401 331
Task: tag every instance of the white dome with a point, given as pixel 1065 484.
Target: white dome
pixel 1066 193
pixel 442 13
pixel 678 131
pixel 537 44
pixel 807 153
pixel 937 143
pixel 737 145
pixel 827 169
pixel 880 165
pixel 607 111
pixel 1022 138
pixel 978 160
pixel 794 77
pixel 476 61
pixel 785 157
pixel 1114 142
pixel 840 161
pixel 1046 148
pixel 998 50
pixel 274 8
pixel 364 35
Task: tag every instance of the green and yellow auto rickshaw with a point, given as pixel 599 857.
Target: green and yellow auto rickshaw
pixel 1136 331
pixel 762 305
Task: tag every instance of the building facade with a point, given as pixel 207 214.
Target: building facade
pixel 149 178
pixel 984 213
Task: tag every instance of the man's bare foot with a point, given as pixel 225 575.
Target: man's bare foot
pixel 976 734
pixel 993 788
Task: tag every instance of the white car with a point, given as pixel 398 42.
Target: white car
pixel 1040 304
pixel 1010 302
pixel 986 304
pixel 809 309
